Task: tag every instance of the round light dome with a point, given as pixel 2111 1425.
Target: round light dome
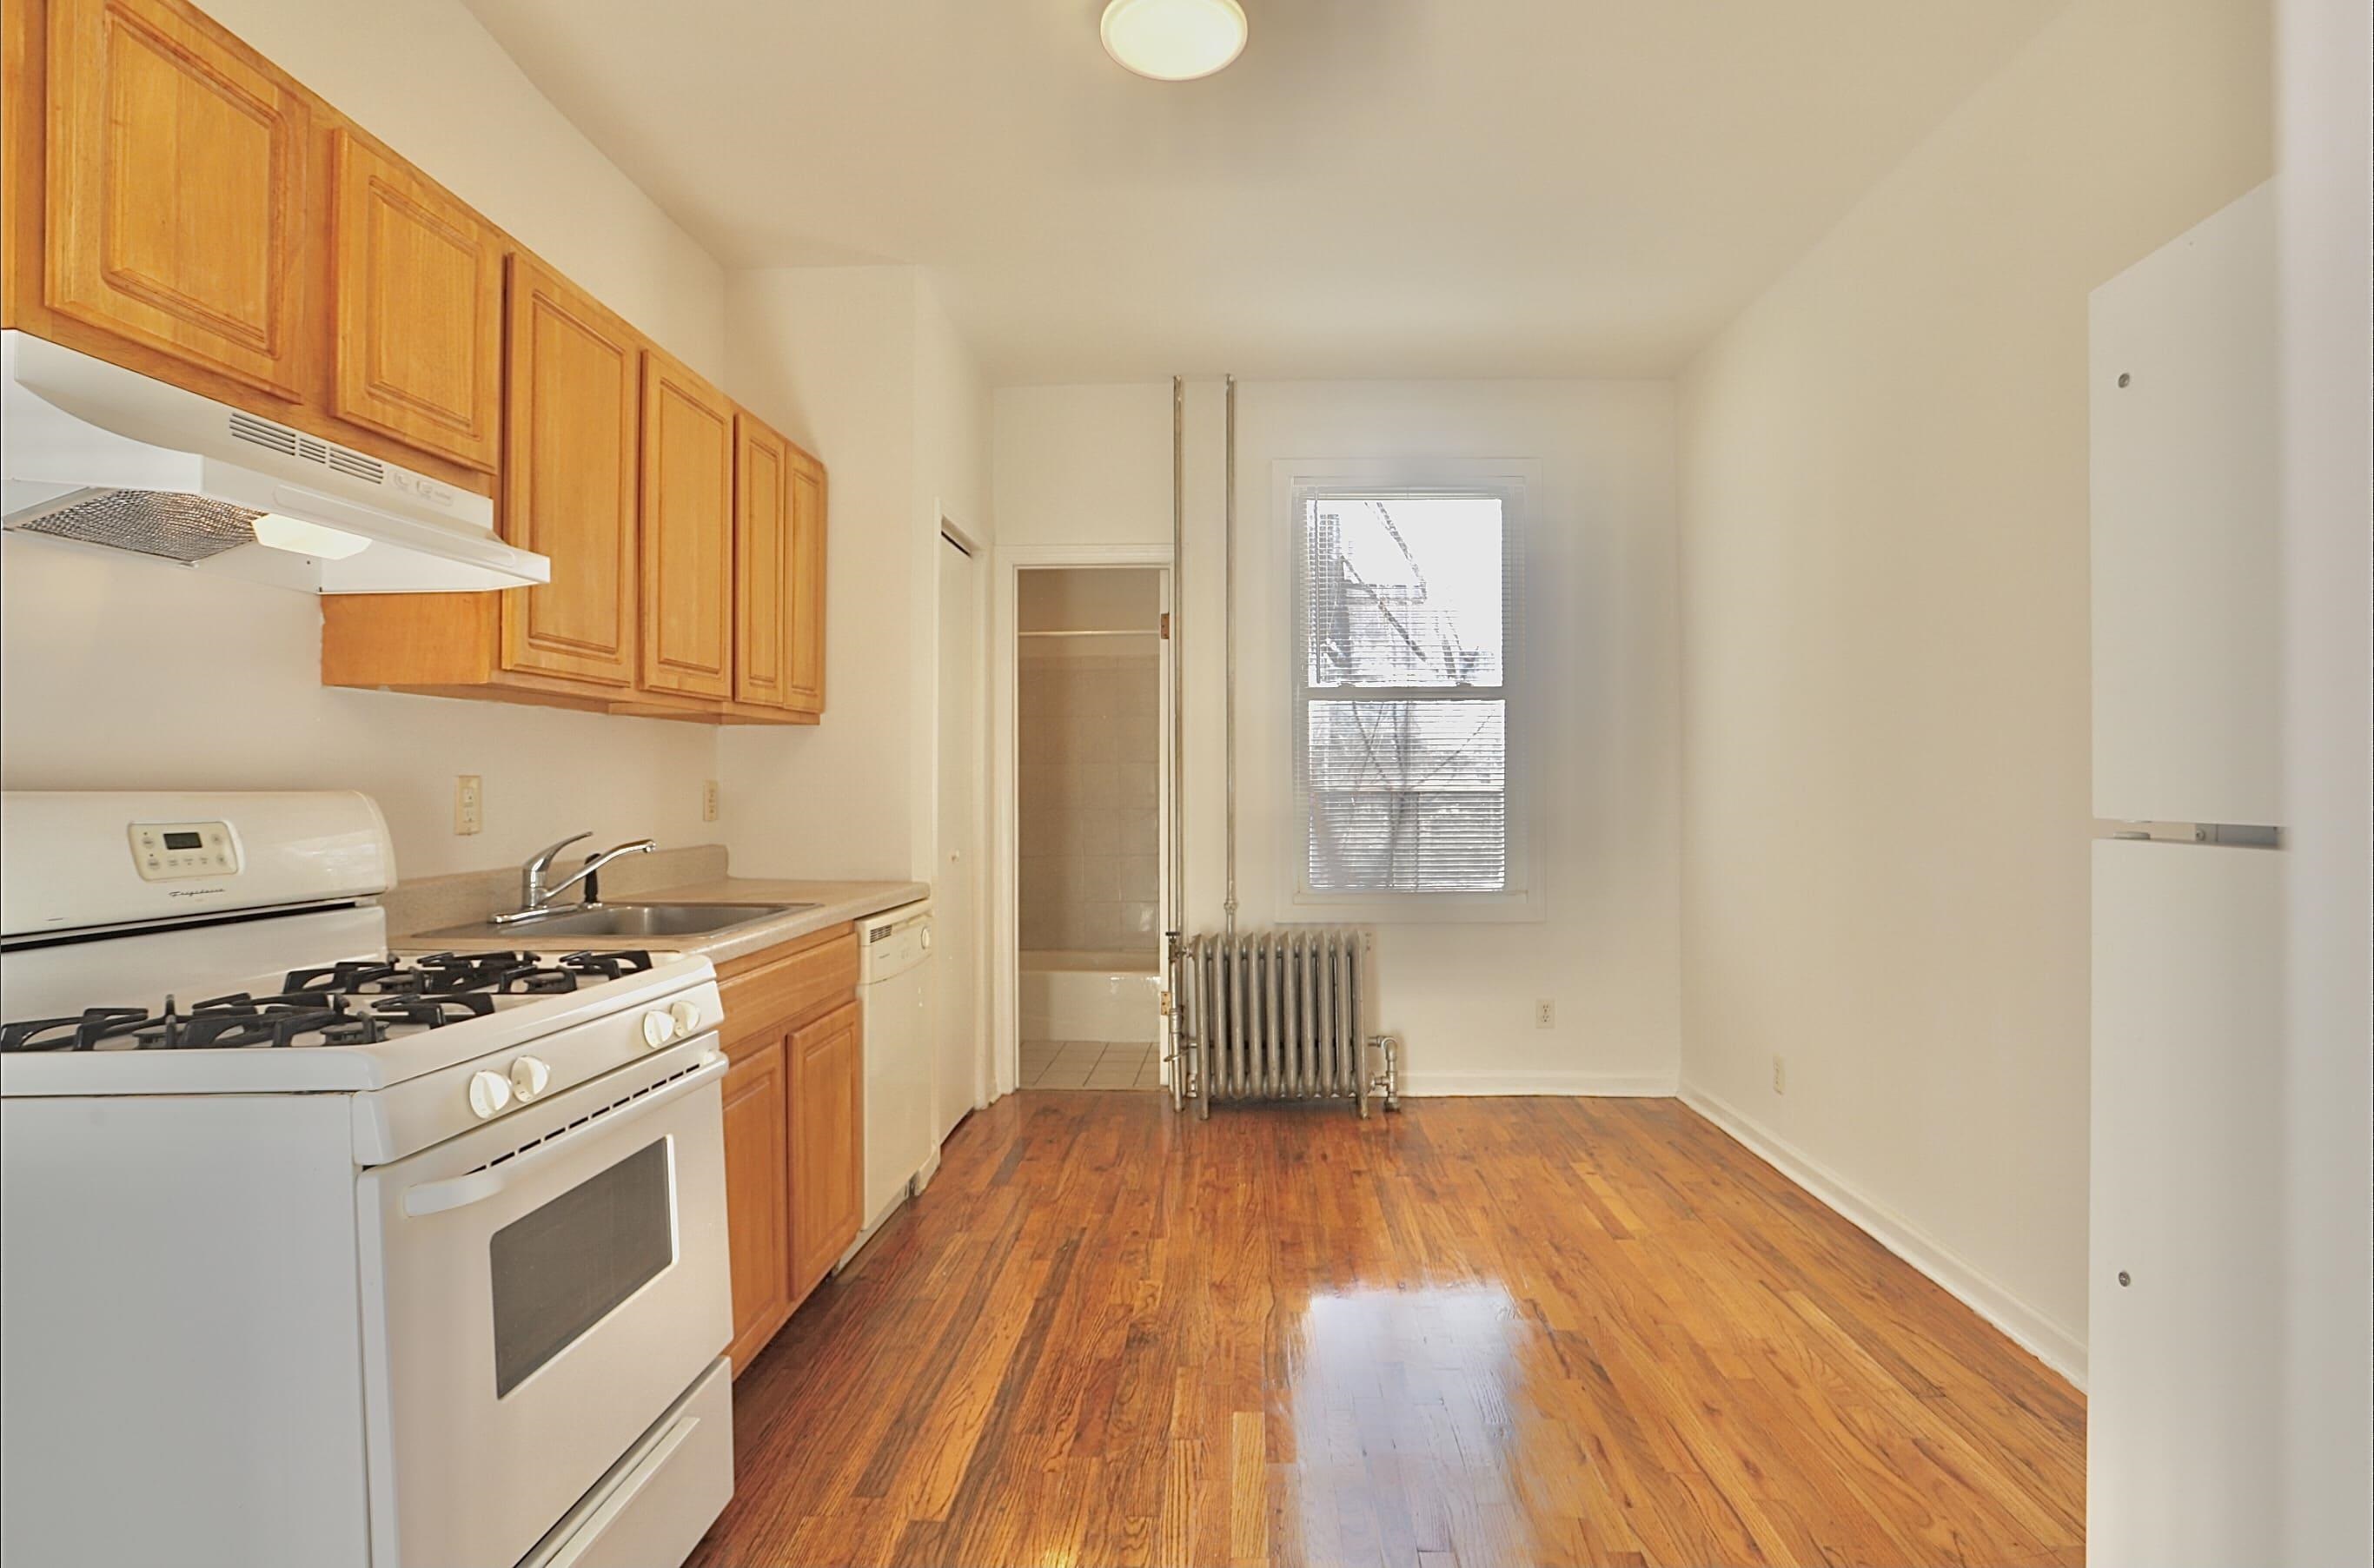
pixel 1174 41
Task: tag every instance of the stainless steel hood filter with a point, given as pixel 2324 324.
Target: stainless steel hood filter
pixel 174 527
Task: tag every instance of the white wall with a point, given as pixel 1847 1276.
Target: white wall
pixel 860 366
pixel 121 673
pixel 1885 797
pixel 1091 466
pixel 2323 181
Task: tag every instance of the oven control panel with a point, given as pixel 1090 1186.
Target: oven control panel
pixel 164 850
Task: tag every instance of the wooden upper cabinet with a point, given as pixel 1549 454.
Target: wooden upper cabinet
pixel 762 562
pixel 571 480
pixel 687 529
pixel 828 1093
pixel 418 309
pixel 804 606
pixel 175 179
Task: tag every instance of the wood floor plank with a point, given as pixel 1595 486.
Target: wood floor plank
pixel 1480 1332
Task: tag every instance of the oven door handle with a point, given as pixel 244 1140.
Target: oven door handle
pixel 459 1192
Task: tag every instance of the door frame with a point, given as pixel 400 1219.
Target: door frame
pixel 982 1089
pixel 1006 846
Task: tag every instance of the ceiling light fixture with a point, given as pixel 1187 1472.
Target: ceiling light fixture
pixel 1174 41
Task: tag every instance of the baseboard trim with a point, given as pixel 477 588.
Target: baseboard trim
pixel 1625 1085
pixel 2043 1337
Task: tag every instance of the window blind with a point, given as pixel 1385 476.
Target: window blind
pixel 1407 625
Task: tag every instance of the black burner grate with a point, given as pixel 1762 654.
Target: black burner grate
pixel 353 1002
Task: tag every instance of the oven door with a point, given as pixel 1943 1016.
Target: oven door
pixel 548 1286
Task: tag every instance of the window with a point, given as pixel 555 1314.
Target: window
pixel 1407 719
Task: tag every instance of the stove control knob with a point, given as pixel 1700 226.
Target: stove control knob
pixel 529 1077
pixel 686 1016
pixel 490 1092
pixel 658 1029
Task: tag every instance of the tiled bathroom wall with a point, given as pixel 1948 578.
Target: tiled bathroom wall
pixel 1088 720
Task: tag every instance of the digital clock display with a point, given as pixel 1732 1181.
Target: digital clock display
pixel 183 841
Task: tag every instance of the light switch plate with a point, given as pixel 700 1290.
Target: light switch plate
pixel 709 800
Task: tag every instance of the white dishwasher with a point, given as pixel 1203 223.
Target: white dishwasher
pixel 894 986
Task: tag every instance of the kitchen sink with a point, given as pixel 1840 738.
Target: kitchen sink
pixel 628 920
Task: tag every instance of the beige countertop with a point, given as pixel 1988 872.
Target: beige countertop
pixel 686 877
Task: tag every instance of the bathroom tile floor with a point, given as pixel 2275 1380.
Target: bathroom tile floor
pixel 1089 1064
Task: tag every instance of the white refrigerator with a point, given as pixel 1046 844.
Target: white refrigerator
pixel 2187 901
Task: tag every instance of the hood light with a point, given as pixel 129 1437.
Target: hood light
pixel 301 538
pixel 1174 41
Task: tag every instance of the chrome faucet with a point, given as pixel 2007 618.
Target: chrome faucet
pixel 536 895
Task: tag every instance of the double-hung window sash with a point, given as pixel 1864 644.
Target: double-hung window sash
pixel 1407 603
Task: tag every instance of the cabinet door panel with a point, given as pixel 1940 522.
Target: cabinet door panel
pixel 762 562
pixel 827 1148
pixel 804 599
pixel 569 481
pixel 758 1211
pixel 175 190
pixel 2186 1140
pixel 2186 595
pixel 419 295
pixel 688 491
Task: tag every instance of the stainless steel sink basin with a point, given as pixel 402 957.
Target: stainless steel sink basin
pixel 628 920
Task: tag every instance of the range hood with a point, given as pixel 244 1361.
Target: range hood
pixel 93 454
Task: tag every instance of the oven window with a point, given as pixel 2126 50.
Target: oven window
pixel 559 1271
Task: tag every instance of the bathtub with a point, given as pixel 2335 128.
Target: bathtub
pixel 1114 996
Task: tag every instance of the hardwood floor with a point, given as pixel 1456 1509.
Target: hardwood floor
pixel 1478 1332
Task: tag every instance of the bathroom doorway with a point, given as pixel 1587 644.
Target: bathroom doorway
pixel 1091 707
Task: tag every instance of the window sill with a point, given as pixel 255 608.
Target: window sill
pixel 1413 908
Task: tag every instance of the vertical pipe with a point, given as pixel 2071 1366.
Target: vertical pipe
pixel 1181 974
pixel 1362 978
pixel 1229 586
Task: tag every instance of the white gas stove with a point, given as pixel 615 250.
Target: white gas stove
pixel 341 1258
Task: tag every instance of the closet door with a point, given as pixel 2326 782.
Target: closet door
pixel 2187 1160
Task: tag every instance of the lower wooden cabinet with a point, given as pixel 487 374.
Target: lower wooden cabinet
pixel 757 1208
pixel 828 1143
pixel 795 1125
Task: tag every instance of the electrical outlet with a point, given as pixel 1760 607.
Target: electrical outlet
pixel 1544 1014
pixel 1780 1074
pixel 709 800
pixel 469 805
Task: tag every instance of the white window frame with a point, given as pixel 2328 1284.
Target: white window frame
pixel 1511 482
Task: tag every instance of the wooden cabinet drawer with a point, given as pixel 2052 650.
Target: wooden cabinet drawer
pixel 774 990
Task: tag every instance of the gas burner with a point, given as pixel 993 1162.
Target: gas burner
pixel 608 965
pixel 356 1002
pixel 68 1034
pixel 505 974
pixel 429 1012
pixel 219 1023
pixel 349 977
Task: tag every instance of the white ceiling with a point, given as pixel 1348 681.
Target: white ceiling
pixel 1376 188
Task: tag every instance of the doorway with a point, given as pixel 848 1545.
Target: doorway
pixel 1090 699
